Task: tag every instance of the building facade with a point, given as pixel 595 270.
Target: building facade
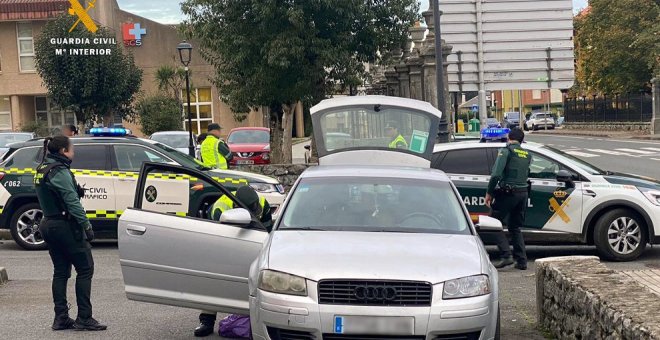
pixel 24 99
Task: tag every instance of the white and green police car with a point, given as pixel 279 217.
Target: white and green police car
pixel 107 165
pixel 571 201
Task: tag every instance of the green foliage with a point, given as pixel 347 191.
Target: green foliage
pixel 617 46
pixel 159 113
pixel 94 87
pixel 39 128
pixel 171 80
pixel 274 53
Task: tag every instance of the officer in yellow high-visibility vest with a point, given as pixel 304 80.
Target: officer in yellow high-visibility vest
pixel 215 153
pixel 260 208
pixel 398 142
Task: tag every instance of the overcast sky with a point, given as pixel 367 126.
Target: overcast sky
pixel 169 11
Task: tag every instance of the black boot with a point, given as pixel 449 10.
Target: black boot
pixel 62 322
pixel 89 325
pixel 503 262
pixel 204 329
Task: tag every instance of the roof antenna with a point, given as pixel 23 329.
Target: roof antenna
pixel 377 107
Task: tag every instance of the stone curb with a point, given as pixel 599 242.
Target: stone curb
pixel 4 278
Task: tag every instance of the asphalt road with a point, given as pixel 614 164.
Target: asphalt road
pixel 619 155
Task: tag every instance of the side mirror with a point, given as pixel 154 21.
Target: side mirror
pixel 565 177
pixel 308 147
pixel 487 223
pixel 239 217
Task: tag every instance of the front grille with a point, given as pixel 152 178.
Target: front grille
pixel 462 336
pixel 371 337
pixel 288 334
pixel 375 293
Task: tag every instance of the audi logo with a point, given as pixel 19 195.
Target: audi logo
pixel 374 293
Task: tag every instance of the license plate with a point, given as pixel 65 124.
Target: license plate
pixel 243 162
pixel 394 325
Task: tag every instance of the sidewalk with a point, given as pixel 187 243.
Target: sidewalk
pixel 648 278
pixel 597 133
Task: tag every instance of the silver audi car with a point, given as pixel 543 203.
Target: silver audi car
pixel 371 244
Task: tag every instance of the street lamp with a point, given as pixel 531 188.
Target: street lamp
pixel 185 54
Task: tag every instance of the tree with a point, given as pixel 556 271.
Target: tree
pixel 159 113
pixel 275 53
pixel 94 87
pixel 171 80
pixel 617 45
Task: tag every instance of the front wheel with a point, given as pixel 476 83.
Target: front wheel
pixel 620 235
pixel 534 128
pixel 24 227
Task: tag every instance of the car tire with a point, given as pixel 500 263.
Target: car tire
pixel 497 328
pixel 534 128
pixel 525 127
pixel 24 227
pixel 625 226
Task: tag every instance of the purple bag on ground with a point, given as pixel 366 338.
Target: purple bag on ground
pixel 235 326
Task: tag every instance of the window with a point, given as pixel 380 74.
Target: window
pixel 201 109
pixel 90 157
pixel 131 157
pixel 51 115
pixel 543 167
pixel 5 112
pixel 24 158
pixel 466 161
pixel 536 94
pixel 25 46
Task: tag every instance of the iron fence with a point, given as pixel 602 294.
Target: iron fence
pixel 609 108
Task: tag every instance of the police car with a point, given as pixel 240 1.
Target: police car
pixel 570 201
pixel 107 165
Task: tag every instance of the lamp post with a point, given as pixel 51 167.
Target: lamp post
pixel 185 52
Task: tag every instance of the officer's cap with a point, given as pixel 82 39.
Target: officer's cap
pixel 214 126
pixel 247 195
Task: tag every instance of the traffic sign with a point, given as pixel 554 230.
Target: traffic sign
pixel 475 108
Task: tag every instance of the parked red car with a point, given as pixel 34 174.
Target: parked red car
pixel 250 145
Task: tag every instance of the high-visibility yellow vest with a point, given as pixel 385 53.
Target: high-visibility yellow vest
pixel 211 157
pixel 398 143
pixel 225 203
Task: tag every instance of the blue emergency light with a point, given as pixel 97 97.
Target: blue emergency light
pixel 109 132
pixel 494 134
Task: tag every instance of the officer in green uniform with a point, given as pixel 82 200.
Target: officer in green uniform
pixel 507 197
pixel 397 140
pixel 67 232
pixel 215 152
pixel 260 208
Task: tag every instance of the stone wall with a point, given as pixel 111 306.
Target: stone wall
pixel 642 128
pixel 287 174
pixel 579 298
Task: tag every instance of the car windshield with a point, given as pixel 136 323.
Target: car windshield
pixel 8 138
pixel 590 168
pixel 183 159
pixel 512 115
pixel 249 137
pixel 492 121
pixel 375 205
pixel 174 140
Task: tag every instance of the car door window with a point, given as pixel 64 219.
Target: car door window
pixel 465 161
pixel 24 158
pixel 543 167
pixel 131 157
pixel 90 157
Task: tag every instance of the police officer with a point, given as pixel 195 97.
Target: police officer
pixel 67 232
pixel 397 140
pixel 260 208
pixel 215 152
pixel 507 197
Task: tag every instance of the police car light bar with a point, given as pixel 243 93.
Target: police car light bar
pixel 109 132
pixel 496 134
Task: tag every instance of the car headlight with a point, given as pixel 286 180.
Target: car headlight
pixel 265 156
pixel 652 195
pixel 263 187
pixel 266 148
pixel 466 287
pixel 281 283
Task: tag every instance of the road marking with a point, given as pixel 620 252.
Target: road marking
pixel 608 152
pixel 655 159
pixel 652 149
pixel 581 154
pixel 637 151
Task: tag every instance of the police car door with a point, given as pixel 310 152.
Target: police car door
pixel 91 166
pixel 184 261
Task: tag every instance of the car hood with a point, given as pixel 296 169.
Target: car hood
pixel 630 179
pixel 247 147
pixel 318 255
pixel 250 176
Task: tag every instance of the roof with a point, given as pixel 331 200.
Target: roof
pixel 375 171
pixel 251 128
pixel 31 9
pixel 375 100
pixel 87 140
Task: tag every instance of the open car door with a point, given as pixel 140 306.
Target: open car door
pixel 188 261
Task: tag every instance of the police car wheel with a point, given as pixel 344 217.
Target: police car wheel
pixel 24 227
pixel 620 235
